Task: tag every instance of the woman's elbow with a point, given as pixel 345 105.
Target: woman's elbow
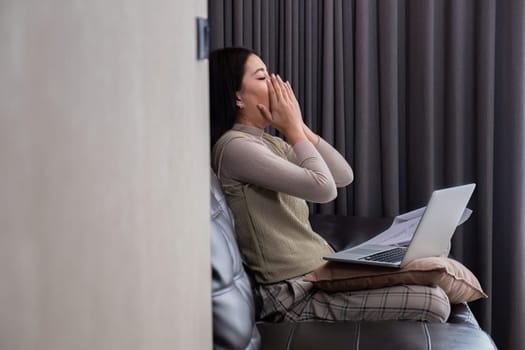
pixel 347 179
pixel 327 193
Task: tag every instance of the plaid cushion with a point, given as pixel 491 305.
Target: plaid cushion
pixel 296 300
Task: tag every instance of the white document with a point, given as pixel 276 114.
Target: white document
pixel 402 229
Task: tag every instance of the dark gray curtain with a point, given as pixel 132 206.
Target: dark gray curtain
pixel 417 95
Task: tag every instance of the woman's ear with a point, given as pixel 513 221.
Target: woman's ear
pixel 238 101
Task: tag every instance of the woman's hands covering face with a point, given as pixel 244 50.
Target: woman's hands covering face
pixel 285 112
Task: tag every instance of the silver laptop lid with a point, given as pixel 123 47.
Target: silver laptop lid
pixel 438 224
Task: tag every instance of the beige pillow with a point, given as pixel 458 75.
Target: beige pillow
pixel 456 280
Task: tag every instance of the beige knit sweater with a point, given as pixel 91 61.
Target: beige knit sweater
pixel 266 182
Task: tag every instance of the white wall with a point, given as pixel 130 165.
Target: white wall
pixel 104 191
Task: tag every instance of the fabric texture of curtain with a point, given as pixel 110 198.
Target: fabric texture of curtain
pixel 417 95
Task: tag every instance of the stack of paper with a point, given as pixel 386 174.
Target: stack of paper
pixel 402 229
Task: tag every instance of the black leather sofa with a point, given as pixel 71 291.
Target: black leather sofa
pixel 235 323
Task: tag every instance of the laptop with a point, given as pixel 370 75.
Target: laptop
pixel 431 237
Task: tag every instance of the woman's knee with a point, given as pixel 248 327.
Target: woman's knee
pixel 405 302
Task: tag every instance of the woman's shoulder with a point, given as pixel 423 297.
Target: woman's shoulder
pixel 229 136
pixel 231 140
pixel 237 143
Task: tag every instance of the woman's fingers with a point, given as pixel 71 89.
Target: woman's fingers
pixel 283 112
pixel 292 94
pixel 289 90
pixel 280 89
pixel 272 94
pixel 277 87
pixel 284 88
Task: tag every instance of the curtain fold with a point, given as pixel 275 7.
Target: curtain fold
pixel 509 186
pixel 417 95
pixel 390 69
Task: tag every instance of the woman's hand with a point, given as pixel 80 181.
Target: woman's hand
pixel 284 113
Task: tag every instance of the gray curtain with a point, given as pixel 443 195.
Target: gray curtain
pixel 417 95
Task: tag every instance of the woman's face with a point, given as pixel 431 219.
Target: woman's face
pixel 254 91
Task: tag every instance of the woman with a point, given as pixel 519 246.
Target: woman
pixel 267 181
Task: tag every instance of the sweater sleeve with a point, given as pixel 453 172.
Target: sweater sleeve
pixel 248 161
pixel 339 167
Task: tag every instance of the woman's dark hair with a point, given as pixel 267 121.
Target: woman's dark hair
pixel 226 72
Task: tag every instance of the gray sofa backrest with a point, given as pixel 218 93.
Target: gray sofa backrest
pixel 233 304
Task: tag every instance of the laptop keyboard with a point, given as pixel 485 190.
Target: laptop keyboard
pixel 392 255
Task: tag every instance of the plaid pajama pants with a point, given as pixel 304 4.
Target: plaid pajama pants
pixel 295 300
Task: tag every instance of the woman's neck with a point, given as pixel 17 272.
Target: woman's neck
pixel 251 122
